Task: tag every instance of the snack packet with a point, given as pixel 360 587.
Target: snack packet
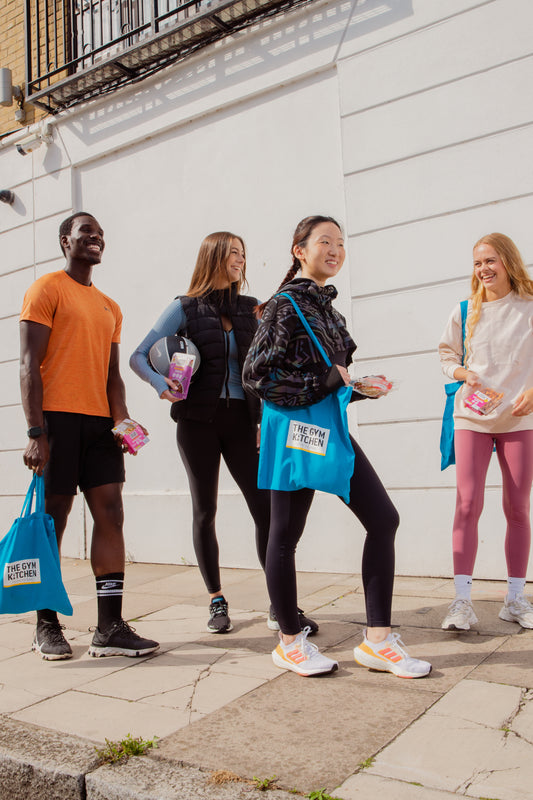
pixel 180 371
pixel 371 385
pixel 484 400
pixel 133 435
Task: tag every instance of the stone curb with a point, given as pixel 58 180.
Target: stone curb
pixel 39 763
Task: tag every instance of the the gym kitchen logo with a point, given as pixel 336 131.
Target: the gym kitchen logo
pixel 310 438
pixel 21 573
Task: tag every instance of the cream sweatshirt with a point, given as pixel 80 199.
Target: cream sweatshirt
pixel 501 354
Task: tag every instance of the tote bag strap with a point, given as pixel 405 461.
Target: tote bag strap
pixel 39 494
pixel 464 312
pixel 28 502
pixel 308 328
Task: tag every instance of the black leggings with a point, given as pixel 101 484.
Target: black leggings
pixel 201 444
pixel 374 509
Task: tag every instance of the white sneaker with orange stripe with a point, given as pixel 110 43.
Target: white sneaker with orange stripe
pixel 390 655
pixel 302 657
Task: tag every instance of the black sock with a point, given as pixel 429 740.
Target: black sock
pixel 47 615
pixel 109 590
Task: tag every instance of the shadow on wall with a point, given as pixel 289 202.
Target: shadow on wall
pixel 280 41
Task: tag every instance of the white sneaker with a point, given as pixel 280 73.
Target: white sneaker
pixel 302 657
pixel 390 655
pixel 518 610
pixel 460 616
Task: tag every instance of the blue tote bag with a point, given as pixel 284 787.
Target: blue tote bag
pixel 447 433
pixel 29 560
pixel 307 446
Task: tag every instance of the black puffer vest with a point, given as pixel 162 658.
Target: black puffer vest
pixel 204 328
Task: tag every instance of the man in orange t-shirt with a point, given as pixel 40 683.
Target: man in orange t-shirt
pixel 73 395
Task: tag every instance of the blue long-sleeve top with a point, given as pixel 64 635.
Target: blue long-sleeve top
pixel 172 321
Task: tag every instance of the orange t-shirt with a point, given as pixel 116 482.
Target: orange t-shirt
pixel 83 323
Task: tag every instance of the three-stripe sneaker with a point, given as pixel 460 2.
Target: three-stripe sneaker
pixel 302 657
pixel 390 655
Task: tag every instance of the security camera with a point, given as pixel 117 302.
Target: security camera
pixel 29 144
pixel 34 140
pixel 7 196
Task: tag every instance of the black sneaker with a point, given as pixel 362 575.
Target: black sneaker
pixel 304 621
pixel 49 641
pixel 120 640
pixel 219 621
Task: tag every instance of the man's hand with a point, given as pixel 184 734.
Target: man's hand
pixel 37 454
pixel 119 437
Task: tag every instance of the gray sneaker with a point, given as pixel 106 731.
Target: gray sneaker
pixel 518 610
pixel 49 641
pixel 460 616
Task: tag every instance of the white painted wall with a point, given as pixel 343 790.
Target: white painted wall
pixel 410 120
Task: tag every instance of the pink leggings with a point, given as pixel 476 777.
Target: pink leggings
pixel 515 454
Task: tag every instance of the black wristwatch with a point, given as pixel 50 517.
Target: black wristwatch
pixel 34 433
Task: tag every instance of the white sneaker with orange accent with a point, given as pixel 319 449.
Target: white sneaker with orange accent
pixel 390 655
pixel 302 657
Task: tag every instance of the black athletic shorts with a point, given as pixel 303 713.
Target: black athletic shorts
pixel 83 452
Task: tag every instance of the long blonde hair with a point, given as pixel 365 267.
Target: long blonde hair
pixel 211 264
pixel 516 270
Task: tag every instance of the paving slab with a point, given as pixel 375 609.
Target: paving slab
pixel 508 775
pixel 489 704
pixel 317 729
pixel 218 702
pixel 12 699
pixel 440 753
pixel 370 787
pixel 15 638
pixel 511 662
pixel 522 723
pixel 98 718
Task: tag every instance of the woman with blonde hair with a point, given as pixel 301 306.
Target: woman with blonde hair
pixel 498 355
pixel 218 418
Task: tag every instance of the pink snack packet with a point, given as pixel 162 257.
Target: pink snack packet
pixel 371 385
pixel 180 371
pixel 133 435
pixel 484 400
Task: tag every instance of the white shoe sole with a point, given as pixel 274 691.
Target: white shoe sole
pixel 374 663
pixel 508 617
pixel 305 673
pixel 272 624
pixel 101 652
pixel 50 656
pixel 226 630
pixel 451 626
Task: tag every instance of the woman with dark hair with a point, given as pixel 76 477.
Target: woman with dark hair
pixel 218 418
pixel 498 349
pixel 283 366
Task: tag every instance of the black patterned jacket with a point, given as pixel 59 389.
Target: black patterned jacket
pixel 283 365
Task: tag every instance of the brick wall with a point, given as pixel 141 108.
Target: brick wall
pixel 12 56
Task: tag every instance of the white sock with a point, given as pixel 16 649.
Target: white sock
pixel 463 586
pixel 515 588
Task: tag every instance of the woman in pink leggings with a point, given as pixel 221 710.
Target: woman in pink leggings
pixel 498 349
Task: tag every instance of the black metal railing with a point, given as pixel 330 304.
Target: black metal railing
pixel 78 49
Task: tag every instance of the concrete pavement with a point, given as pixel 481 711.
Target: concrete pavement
pixel 224 714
